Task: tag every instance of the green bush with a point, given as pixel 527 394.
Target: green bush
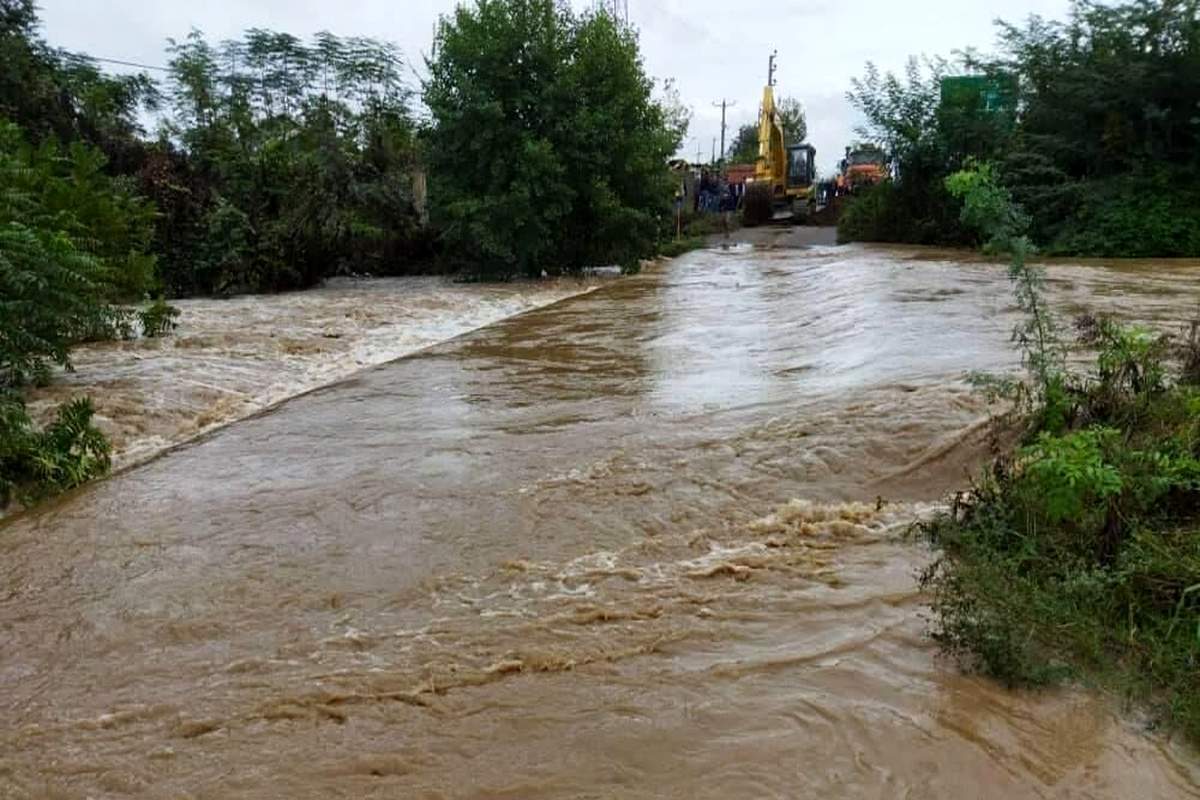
pixel 1078 553
pixel 158 318
pixel 36 463
pixel 898 212
pixel 1152 216
pixel 867 217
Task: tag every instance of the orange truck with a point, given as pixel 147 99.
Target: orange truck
pixel 863 166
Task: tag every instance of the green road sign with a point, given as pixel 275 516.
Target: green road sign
pixel 994 93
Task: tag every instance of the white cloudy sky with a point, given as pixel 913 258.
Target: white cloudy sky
pixel 713 48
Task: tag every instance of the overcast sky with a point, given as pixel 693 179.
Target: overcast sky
pixel 712 48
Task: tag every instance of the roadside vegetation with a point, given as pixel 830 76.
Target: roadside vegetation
pixel 278 163
pixel 1093 125
pixel 547 148
pixel 685 244
pixel 1076 554
pixel 283 162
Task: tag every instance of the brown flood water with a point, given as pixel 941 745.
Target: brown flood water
pixel 627 546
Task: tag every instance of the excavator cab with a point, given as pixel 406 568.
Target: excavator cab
pixel 801 166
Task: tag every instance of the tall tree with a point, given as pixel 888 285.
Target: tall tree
pixel 1093 123
pixel 297 159
pixel 793 120
pixel 49 92
pixel 744 147
pixel 548 150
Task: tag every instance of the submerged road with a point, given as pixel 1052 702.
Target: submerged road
pixel 645 543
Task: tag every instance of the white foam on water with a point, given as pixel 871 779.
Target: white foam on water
pixel 230 358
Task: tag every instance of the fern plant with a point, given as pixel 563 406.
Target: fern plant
pixel 67 453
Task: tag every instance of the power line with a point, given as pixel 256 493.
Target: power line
pixel 123 63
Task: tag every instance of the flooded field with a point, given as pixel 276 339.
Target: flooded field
pixel 648 542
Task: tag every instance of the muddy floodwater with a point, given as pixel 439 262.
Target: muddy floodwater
pixel 230 358
pixel 647 542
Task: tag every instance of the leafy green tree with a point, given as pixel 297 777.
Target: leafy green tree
pixel 52 93
pixel 296 162
pixel 547 148
pixel 901 113
pixel 792 118
pixel 744 149
pixel 72 243
pixel 1108 151
pixel 1100 142
pixel 902 117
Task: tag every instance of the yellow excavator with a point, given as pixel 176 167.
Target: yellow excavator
pixel 783 186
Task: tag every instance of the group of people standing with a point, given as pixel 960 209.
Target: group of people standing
pixel 716 195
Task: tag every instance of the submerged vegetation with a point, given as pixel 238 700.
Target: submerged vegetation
pixel 1077 553
pixel 1093 124
pixel 37 463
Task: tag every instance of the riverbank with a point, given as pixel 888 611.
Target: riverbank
pixel 231 358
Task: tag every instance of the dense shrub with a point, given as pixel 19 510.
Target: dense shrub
pixel 36 463
pixel 891 212
pixel 1078 553
pixel 1136 217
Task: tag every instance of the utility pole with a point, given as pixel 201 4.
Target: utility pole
pixel 713 162
pixel 724 104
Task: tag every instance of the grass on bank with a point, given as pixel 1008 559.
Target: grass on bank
pixel 695 230
pixel 677 247
pixel 1076 554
